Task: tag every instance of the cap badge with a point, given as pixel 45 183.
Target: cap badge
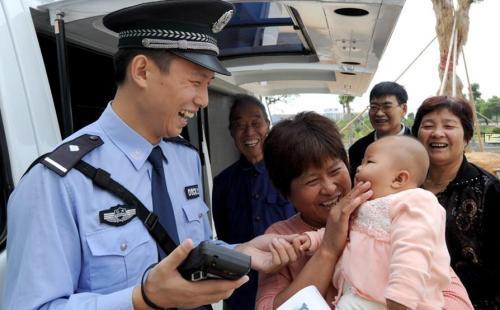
pixel 222 21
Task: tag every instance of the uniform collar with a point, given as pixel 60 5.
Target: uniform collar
pixel 247 166
pixel 132 144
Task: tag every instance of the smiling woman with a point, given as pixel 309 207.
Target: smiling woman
pixel 307 163
pixel 319 188
pixel 469 194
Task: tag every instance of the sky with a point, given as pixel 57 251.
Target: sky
pixel 414 30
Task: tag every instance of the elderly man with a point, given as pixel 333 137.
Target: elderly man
pixel 245 203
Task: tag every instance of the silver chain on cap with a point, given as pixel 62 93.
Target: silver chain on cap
pixel 179 44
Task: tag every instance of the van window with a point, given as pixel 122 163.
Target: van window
pixel 260 28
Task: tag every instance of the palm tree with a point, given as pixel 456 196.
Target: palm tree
pixel 345 101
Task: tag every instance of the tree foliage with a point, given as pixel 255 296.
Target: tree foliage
pixel 491 108
pixel 279 98
pixel 345 101
pixel 409 120
pixel 476 94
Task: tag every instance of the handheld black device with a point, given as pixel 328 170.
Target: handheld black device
pixel 210 261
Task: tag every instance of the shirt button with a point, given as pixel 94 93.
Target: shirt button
pixel 123 246
pixel 256 196
pixel 257 218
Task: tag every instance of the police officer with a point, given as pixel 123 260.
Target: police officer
pixel 72 244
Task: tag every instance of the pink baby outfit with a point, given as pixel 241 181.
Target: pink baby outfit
pixel 396 251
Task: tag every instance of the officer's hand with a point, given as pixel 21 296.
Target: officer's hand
pixel 270 252
pixel 168 289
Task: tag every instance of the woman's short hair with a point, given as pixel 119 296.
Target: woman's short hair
pixel 461 108
pixel 295 144
pixel 244 99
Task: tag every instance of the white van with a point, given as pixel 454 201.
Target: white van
pixel 271 47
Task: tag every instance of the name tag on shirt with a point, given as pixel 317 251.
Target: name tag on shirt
pixel 192 191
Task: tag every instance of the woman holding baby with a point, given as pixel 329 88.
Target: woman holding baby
pixel 308 164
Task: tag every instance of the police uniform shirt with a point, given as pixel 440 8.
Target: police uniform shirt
pixel 64 254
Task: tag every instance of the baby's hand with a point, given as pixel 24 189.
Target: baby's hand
pixel 301 243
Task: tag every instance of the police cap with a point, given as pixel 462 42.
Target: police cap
pixel 183 27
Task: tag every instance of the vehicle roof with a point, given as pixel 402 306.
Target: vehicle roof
pixel 271 47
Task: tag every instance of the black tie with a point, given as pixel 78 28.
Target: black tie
pixel 162 205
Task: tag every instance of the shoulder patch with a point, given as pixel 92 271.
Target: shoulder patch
pixel 67 155
pixel 182 141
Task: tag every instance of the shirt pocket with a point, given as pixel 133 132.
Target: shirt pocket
pixel 196 218
pixel 118 256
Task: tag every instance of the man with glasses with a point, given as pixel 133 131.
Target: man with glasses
pixel 245 203
pixel 387 110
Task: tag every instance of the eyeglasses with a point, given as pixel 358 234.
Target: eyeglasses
pixel 242 126
pixel 386 107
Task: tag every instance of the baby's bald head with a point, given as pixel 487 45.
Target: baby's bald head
pixel 408 154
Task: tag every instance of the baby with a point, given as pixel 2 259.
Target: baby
pixel 396 256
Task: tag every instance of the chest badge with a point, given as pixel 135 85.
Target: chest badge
pixel 117 216
pixel 192 191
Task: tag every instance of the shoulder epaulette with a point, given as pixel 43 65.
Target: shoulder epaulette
pixel 182 141
pixel 68 154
